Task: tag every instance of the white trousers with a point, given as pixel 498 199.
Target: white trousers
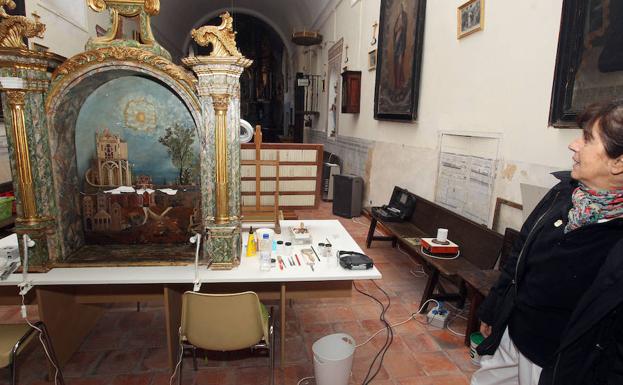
pixel 506 367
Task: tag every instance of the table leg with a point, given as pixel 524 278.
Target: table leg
pixel 282 329
pixel 371 232
pixel 68 322
pixel 173 317
pixel 475 298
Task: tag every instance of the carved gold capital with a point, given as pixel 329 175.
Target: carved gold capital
pixel 221 37
pixel 16 97
pixel 220 102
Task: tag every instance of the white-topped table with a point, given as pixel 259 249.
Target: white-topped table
pixel 65 296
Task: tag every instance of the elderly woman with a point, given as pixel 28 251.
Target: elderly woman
pixel 556 314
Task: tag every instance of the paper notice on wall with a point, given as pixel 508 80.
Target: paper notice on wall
pixel 466 175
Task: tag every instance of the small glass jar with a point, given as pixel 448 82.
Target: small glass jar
pixel 265 261
pixel 287 252
pixel 280 248
pixel 321 249
pixel 328 251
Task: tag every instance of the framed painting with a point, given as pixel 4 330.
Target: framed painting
pixel 589 62
pixel 99 30
pixel 470 18
pixel 372 60
pixel 399 59
pixel 38 47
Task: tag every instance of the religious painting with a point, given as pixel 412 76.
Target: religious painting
pixel 589 63
pixel 399 58
pixel 138 154
pixel 99 30
pixel 333 96
pixel 470 18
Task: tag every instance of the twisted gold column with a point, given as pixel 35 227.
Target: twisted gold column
pixel 220 103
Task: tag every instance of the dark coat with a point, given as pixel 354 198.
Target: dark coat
pixel 591 346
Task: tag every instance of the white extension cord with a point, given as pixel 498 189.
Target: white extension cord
pixel 438 317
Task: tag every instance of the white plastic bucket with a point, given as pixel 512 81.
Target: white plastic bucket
pixel 333 359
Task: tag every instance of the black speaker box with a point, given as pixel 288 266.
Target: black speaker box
pixel 347 195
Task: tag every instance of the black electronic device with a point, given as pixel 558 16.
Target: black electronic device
pixel 347 195
pixel 353 260
pixel 400 207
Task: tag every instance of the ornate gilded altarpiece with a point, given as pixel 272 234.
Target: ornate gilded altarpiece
pixel 118 154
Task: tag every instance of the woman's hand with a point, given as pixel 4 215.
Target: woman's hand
pixel 485 329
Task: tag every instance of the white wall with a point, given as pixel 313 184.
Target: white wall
pixel 498 80
pixel 69 24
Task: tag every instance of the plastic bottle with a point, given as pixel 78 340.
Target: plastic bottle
pixel 251 244
pixel 265 250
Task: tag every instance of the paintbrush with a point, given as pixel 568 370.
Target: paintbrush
pixel 314 250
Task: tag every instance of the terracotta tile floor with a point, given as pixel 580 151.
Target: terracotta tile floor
pixel 128 347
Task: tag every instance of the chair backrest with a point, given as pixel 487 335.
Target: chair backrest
pixel 222 321
pixel 478 244
pixel 510 237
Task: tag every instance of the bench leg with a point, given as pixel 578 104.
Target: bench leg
pixel 433 279
pixel 475 299
pixel 462 294
pixel 371 232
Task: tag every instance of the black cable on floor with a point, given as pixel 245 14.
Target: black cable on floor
pixel 388 339
pixel 390 332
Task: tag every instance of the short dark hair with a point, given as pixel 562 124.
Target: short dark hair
pixel 609 116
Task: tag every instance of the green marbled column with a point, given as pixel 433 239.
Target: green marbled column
pixel 218 77
pixel 32 68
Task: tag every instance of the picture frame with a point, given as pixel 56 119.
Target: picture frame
pixel 498 211
pixel 589 64
pixel 99 30
pixel 399 59
pixel 470 18
pixel 38 47
pixel 372 60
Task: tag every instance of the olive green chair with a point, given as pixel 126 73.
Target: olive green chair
pixel 226 322
pixel 14 338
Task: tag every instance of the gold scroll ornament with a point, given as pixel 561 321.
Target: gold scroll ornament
pixel 13 29
pixel 222 37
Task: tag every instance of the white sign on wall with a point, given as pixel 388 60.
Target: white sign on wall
pixel 466 175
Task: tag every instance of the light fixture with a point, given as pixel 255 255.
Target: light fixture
pixel 306 38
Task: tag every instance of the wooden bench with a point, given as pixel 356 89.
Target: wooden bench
pixel 479 246
pixel 480 282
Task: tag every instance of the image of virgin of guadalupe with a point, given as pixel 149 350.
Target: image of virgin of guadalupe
pixel 400 45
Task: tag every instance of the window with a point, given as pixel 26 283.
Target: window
pixel 589 64
pixel 108 151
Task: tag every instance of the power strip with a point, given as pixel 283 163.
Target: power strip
pixel 438 317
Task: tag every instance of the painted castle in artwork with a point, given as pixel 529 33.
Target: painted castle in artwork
pixel 110 165
pixel 118 209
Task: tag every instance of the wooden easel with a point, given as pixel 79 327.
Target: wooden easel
pixel 259 213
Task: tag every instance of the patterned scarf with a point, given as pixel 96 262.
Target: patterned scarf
pixel 590 206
